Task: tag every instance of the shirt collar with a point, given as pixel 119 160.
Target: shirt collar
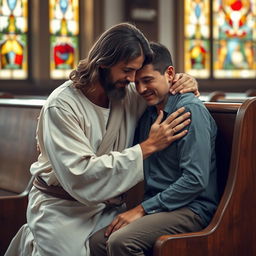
pixel 167 109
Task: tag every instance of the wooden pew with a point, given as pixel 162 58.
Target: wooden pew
pixel 6 95
pixel 18 121
pixel 216 96
pixel 232 231
pixel 220 96
pixel 251 93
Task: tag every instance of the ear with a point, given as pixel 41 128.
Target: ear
pixel 170 73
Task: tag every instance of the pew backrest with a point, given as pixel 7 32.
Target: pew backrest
pixel 18 120
pixel 17 146
pixel 224 115
pixel 223 97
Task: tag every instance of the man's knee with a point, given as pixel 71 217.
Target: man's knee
pixel 118 242
pixel 97 243
pixel 93 242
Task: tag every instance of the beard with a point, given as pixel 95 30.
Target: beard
pixel 114 90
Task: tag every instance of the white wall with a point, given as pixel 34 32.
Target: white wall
pixel 166 24
pixel 114 14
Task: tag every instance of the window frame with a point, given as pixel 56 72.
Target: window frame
pixel 39 81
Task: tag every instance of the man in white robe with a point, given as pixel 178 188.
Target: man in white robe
pixel 70 134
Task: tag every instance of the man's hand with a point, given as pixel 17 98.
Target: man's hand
pixel 124 219
pixel 183 83
pixel 162 134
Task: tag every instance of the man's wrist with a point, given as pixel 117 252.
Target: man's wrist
pixel 141 210
pixel 147 148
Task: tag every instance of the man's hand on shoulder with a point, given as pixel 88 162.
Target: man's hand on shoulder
pixel 183 83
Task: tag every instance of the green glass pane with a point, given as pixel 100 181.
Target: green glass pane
pixel 234 58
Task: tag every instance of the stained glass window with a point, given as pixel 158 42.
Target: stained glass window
pixel 64 43
pixel 197 35
pixel 224 47
pixel 234 35
pixel 13 39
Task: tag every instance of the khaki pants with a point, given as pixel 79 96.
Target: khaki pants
pixel 138 237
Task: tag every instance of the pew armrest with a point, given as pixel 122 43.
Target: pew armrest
pixel 180 244
pixel 19 195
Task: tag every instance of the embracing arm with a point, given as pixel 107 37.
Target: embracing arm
pixel 183 83
pixel 85 176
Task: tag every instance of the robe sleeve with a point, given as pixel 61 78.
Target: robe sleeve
pixel 88 178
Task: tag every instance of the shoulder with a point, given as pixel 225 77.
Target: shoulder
pixel 65 96
pixel 199 113
pixel 190 102
pixel 200 116
pixel 188 99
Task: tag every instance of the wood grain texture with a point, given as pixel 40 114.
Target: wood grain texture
pixel 232 231
pixel 17 153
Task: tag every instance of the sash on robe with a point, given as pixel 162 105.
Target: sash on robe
pixel 113 139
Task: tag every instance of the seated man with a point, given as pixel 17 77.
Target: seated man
pixel 180 181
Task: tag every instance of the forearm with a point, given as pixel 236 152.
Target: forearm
pixel 174 197
pixel 92 180
pixel 147 148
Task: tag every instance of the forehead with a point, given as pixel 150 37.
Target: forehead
pixel 134 64
pixel 147 70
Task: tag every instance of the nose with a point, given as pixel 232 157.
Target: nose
pixel 131 76
pixel 140 87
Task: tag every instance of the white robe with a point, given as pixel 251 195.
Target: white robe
pixel 70 130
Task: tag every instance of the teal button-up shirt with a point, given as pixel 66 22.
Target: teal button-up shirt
pixel 183 174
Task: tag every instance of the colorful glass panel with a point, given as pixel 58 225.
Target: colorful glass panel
pixel 13 39
pixel 197 35
pixel 234 32
pixel 64 41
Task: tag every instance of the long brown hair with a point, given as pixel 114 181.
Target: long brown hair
pixel 122 42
